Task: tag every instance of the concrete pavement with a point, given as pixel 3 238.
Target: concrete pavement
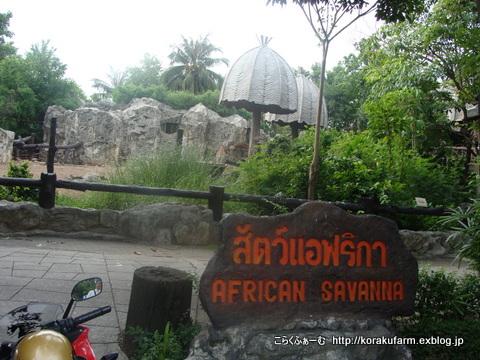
pixel 42 269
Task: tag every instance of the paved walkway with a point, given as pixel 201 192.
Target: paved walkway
pixel 41 269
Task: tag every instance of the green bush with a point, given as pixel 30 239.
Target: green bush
pixel 19 193
pixel 447 296
pixel 453 330
pixel 173 344
pixel 447 307
pixel 351 166
pixel 359 165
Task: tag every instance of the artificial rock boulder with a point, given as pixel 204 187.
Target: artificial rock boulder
pixel 111 132
pixel 204 127
pixel 6 145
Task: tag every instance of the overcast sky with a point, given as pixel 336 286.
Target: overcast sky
pixel 92 36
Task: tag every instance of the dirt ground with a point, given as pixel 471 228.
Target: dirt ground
pixel 64 172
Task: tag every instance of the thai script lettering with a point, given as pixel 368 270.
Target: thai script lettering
pixel 256 250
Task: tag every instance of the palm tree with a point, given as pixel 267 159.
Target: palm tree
pixel 116 78
pixel 193 73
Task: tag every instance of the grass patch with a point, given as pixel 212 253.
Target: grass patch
pixel 188 168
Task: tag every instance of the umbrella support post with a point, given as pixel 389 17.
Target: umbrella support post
pixel 255 132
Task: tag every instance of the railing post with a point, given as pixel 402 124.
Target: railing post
pixel 52 149
pixel 215 201
pixel 46 197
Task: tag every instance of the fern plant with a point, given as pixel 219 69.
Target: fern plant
pixel 464 220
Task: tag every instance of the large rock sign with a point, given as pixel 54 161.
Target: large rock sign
pixel 317 262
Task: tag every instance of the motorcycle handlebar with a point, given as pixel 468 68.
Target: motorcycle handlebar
pixel 65 325
pixel 91 315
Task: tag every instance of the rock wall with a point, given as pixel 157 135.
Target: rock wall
pixel 302 340
pixel 160 224
pixel 427 244
pixel 111 132
pixel 163 223
pixel 6 145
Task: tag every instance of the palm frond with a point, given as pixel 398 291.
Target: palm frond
pixel 194 57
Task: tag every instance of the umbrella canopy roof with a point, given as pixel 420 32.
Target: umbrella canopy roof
pixel 307 106
pixel 261 80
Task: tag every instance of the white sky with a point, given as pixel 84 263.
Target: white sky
pixel 93 35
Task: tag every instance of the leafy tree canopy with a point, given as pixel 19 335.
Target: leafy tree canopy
pixel 6 47
pixel 345 92
pixel 388 10
pixel 30 84
pixel 147 74
pixel 417 67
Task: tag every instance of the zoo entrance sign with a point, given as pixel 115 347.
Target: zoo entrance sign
pixel 316 262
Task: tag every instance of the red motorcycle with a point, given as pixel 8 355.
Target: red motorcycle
pixel 35 332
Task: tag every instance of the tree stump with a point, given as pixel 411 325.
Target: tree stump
pixel 159 295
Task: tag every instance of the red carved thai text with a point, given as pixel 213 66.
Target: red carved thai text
pixel 251 249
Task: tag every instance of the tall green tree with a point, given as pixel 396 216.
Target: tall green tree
pixel 422 64
pixel 46 78
pixel 345 92
pixel 405 97
pixel 18 102
pixel 6 47
pixel 29 85
pixel 328 19
pixel 147 74
pixel 194 59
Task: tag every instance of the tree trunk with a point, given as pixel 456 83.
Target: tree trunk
pixel 295 131
pixel 159 295
pixel 312 179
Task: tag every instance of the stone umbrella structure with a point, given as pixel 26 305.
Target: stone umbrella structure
pixel 306 114
pixel 260 81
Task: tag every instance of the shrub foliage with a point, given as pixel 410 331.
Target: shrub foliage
pixel 19 193
pixel 446 307
pixel 352 166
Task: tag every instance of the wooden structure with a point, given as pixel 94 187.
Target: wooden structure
pixel 27 144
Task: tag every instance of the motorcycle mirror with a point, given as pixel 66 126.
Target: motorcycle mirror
pixel 87 289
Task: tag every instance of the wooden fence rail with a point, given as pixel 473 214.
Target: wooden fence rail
pixel 216 196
